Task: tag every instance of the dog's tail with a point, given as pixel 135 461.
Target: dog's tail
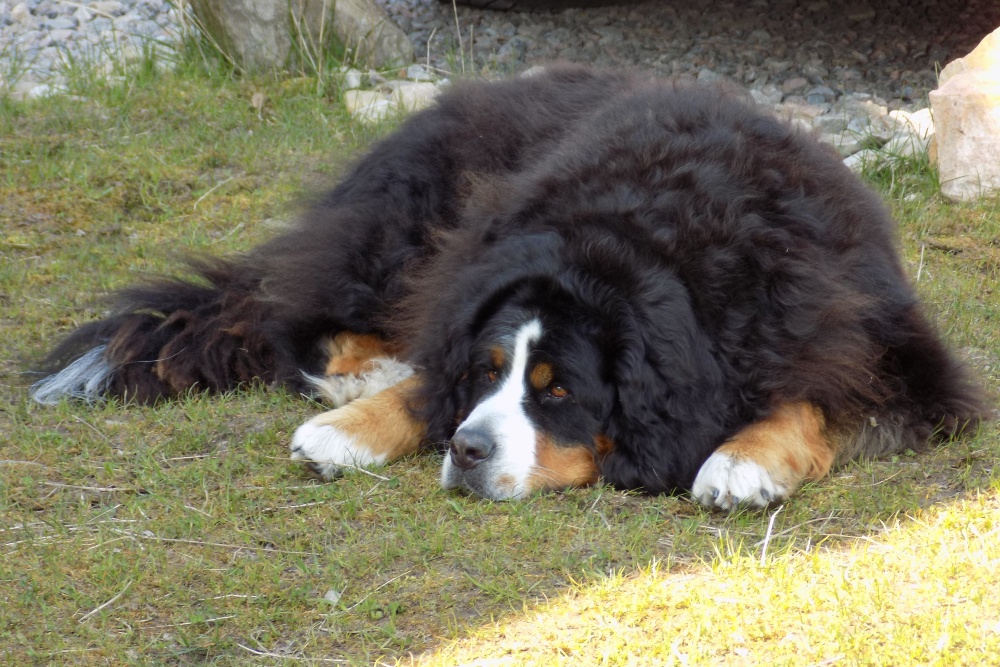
pixel 932 396
pixel 166 336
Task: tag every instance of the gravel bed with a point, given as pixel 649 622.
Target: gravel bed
pixel 890 48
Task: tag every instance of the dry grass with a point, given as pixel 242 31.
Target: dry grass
pixel 181 533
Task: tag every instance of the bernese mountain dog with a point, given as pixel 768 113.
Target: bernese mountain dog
pixel 559 279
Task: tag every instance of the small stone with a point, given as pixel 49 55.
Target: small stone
pixel 352 79
pixel 705 75
pixel 861 160
pixel 831 123
pixel 822 93
pixel 906 144
pixel 771 93
pixel 414 95
pixel 805 111
pixel 846 144
pixel 61 36
pixel 367 105
pixel 332 596
pixel 82 15
pixel 920 123
pixel 62 23
pixel 357 100
pixel 418 73
pixel 794 84
pixel 21 14
pixel 107 8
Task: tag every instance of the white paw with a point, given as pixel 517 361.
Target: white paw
pixel 725 482
pixel 327 450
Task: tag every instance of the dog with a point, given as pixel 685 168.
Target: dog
pixel 560 279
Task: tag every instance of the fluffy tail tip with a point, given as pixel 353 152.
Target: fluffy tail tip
pixel 86 378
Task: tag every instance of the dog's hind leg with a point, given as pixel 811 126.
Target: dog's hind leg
pixel 767 460
pixel 368 432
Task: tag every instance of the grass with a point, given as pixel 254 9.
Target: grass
pixel 181 533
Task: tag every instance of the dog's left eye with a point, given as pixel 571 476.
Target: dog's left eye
pixel 558 392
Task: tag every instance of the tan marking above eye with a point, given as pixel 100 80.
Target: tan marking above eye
pixel 541 375
pixel 497 356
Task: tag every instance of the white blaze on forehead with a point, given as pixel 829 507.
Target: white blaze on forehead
pixel 502 416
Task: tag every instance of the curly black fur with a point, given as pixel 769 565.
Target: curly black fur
pixel 707 261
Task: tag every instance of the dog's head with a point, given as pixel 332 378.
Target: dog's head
pixel 564 367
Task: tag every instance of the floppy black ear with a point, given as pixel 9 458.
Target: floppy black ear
pixel 675 399
pixel 471 278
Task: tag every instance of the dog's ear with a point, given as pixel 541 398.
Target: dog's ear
pixel 673 404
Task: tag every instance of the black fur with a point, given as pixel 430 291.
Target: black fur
pixel 694 263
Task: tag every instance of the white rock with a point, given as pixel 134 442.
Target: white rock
pixel 967 126
pixel 966 108
pixel 845 142
pixel 352 78
pixel 985 57
pixel 108 8
pixel 906 144
pixel 368 105
pixel 414 95
pixel 859 161
pixel 61 36
pixel 355 100
pixel 418 73
pixel 920 123
pixel 21 14
pixel 766 95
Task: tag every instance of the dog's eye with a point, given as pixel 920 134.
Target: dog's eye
pixel 491 376
pixel 556 391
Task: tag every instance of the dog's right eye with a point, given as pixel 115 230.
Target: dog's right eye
pixel 491 376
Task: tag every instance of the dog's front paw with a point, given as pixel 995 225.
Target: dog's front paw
pixel 328 450
pixel 726 481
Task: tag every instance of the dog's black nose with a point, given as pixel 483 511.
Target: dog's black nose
pixel 470 447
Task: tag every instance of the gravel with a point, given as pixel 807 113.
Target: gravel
pixel 808 48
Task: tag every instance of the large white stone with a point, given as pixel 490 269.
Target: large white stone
pixel 259 34
pixel 985 57
pixel 967 124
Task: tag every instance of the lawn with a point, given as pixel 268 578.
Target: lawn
pixel 182 534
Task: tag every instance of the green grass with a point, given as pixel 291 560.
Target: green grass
pixel 182 534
